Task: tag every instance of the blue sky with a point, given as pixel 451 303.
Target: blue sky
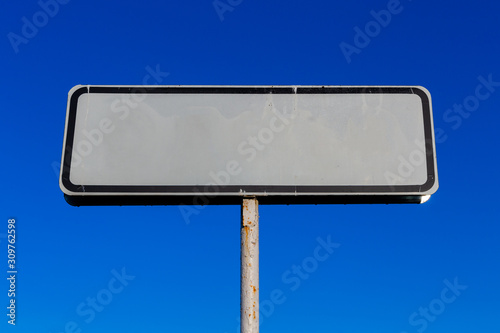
pixel 395 268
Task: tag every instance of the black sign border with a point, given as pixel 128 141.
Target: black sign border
pixel 231 194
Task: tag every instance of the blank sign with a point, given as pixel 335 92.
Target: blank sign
pixel 215 144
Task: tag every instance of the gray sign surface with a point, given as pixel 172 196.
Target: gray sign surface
pixel 285 144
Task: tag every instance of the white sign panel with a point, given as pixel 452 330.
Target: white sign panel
pixel 216 144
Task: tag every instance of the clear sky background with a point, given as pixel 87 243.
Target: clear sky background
pixel 397 268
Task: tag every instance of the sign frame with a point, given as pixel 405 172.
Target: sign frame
pixel 96 195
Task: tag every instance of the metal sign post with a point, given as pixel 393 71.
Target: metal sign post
pixel 249 293
pixel 208 145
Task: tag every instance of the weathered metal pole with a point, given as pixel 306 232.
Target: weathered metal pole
pixel 249 296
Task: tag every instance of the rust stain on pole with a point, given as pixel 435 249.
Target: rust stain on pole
pixel 249 266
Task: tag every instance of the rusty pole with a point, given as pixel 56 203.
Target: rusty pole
pixel 249 293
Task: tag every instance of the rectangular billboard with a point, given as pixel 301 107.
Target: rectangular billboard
pixel 216 144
